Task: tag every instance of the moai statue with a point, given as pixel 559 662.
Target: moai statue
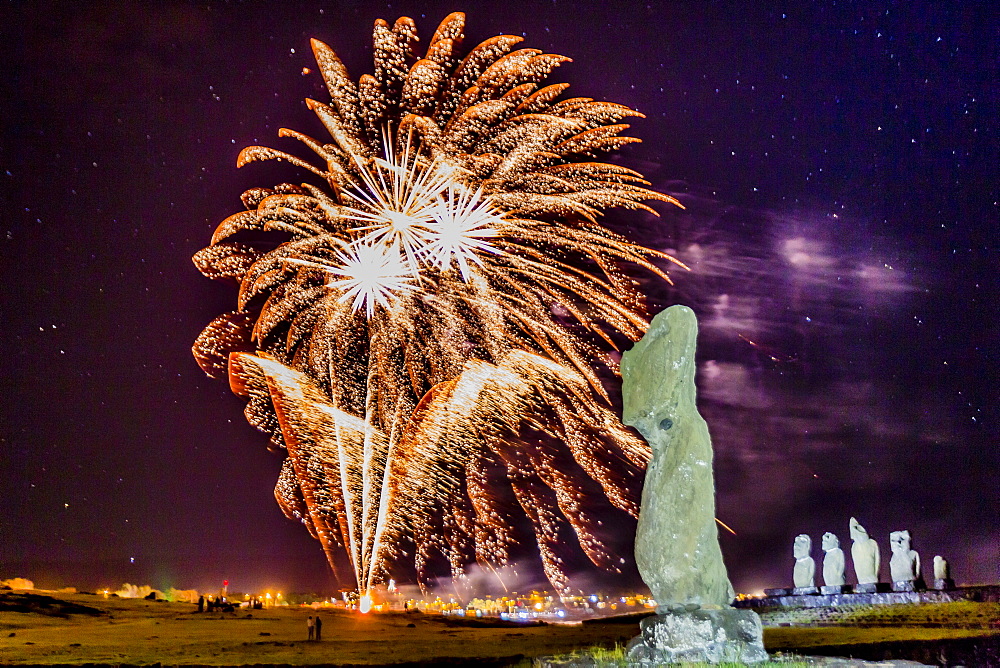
pixel 866 558
pixel 833 565
pixel 804 573
pixel 942 574
pixel 677 540
pixel 904 565
pixel 941 570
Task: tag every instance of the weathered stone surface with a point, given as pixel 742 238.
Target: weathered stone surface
pixel 904 563
pixel 941 569
pixel 710 636
pixel 981 593
pixel 805 591
pixel 833 561
pixel 942 574
pixel 677 541
pixel 864 554
pixel 826 590
pixel 804 571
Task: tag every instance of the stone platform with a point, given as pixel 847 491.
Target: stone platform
pixel 982 594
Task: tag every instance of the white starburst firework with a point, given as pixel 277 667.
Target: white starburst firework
pixel 395 200
pixel 372 274
pixel 417 211
pixel 460 225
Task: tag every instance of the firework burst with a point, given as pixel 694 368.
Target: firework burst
pixel 445 293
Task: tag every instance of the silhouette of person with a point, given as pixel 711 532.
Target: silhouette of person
pixel 319 627
pixel 311 627
pixel 201 604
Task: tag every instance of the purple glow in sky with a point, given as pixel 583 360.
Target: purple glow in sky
pixel 839 168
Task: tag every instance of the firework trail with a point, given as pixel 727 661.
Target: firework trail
pixel 446 289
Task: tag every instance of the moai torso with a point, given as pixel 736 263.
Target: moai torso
pixel 833 560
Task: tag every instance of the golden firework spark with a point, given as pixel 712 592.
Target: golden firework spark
pixel 441 295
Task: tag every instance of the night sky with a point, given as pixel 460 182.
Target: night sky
pixel 839 164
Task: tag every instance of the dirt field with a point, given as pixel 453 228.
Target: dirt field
pixel 143 632
pixel 85 629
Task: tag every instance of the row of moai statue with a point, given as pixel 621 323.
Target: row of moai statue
pixel 904 565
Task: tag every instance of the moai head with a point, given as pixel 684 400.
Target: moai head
pixel 830 541
pixel 802 546
pixel 899 541
pixel 663 407
pixel 857 531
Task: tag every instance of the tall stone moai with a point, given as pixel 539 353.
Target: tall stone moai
pixel 904 564
pixel 804 572
pixel 942 574
pixel 866 558
pixel 833 566
pixel 677 541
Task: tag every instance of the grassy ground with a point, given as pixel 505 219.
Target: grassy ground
pixel 615 657
pixel 801 639
pixel 888 623
pixel 142 632
pixel 915 632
